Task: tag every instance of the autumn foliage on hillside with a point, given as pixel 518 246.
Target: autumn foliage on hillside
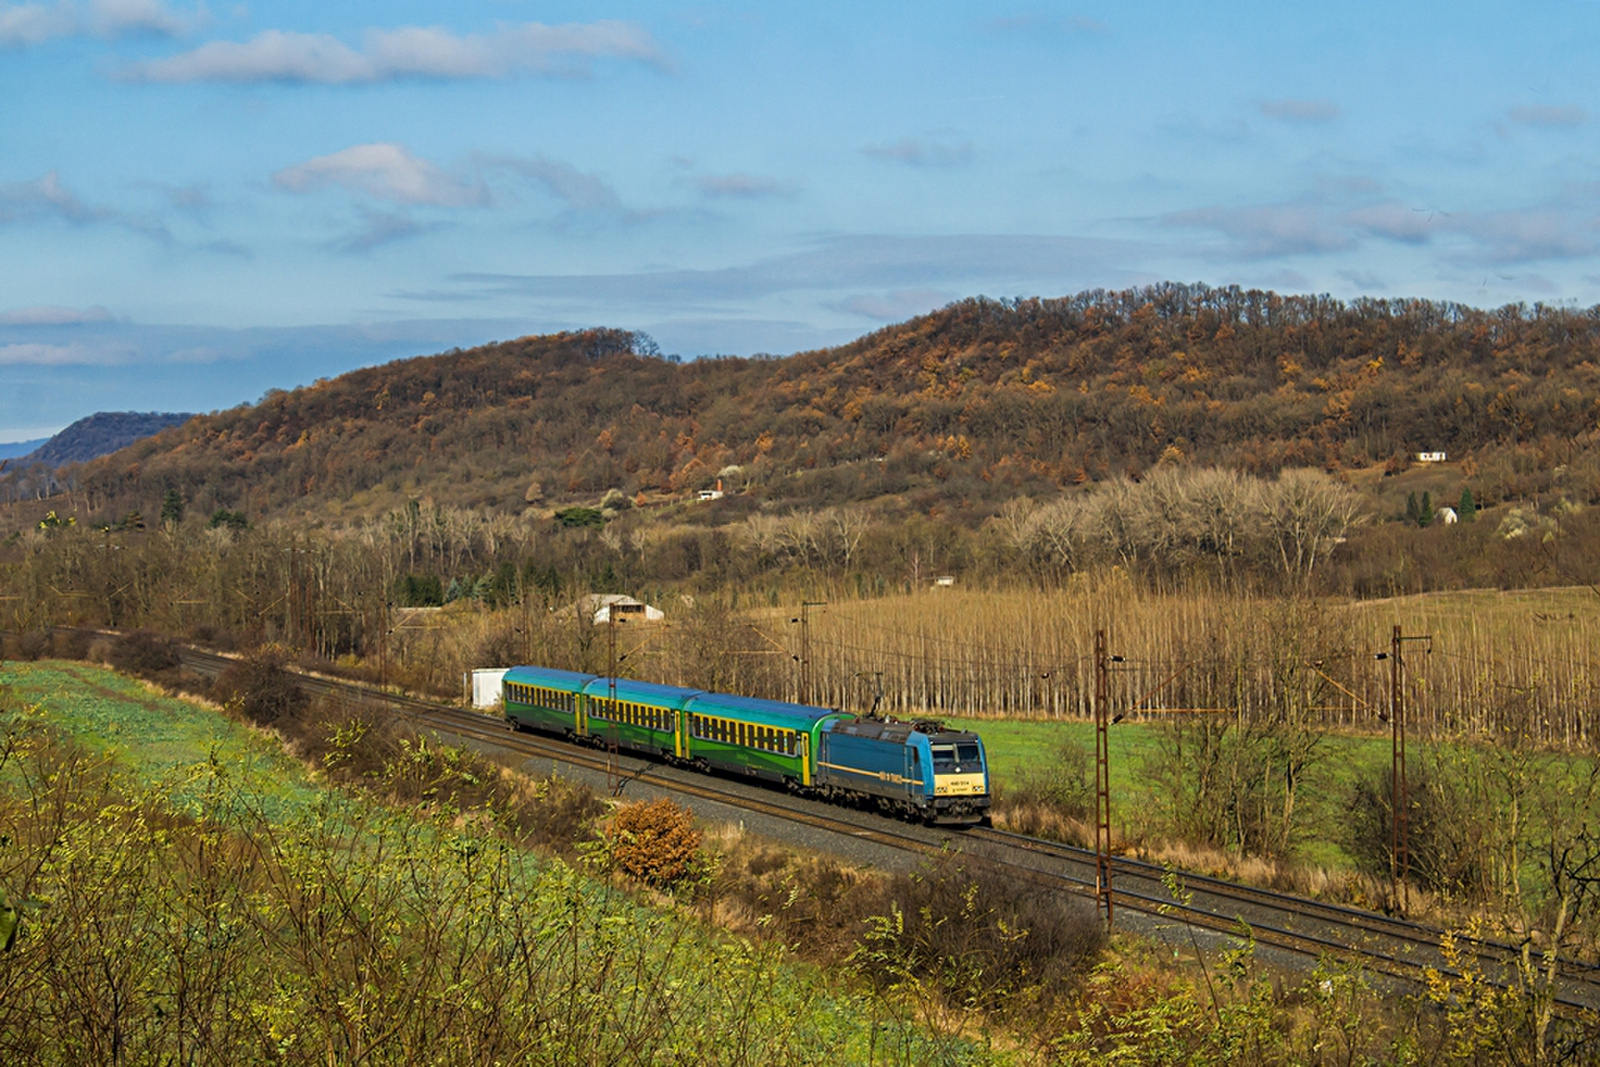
pixel 981 401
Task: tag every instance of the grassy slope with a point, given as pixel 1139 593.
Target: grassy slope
pixel 157 739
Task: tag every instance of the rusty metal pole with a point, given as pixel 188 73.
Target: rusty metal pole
pixel 805 652
pixel 805 648
pixel 1400 819
pixel 1102 774
pixel 383 641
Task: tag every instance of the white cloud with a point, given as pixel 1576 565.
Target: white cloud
pixel 114 17
pixel 43 355
pixel 1308 111
pixel 384 172
pixel 52 315
pixel 408 52
pixel 31 24
pixel 25 24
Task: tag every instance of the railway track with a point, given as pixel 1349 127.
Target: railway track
pixel 1385 944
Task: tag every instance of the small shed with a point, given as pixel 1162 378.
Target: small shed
pixel 603 607
pixel 1431 457
pixel 483 685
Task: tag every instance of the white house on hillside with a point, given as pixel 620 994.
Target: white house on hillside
pixel 603 606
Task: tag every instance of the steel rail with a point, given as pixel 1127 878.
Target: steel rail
pixel 1399 958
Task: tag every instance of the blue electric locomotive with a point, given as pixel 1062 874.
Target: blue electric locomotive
pixel 916 769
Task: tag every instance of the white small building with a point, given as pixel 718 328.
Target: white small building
pixel 711 494
pixel 1431 457
pixel 603 607
pixel 483 686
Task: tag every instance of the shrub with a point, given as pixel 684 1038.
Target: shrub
pixel 72 644
pixel 980 935
pixel 655 841
pixel 264 692
pixel 33 644
pixel 143 652
pixel 1054 799
pixel 1444 830
pixel 560 812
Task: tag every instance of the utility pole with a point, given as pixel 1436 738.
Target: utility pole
pixel 1102 774
pixel 611 638
pixel 383 640
pixel 805 647
pixel 1399 789
pixel 1400 817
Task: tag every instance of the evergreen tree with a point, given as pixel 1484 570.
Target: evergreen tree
pixel 1425 513
pixel 1468 508
pixel 172 508
pixel 1411 507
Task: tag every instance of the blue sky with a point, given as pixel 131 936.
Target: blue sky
pixel 198 203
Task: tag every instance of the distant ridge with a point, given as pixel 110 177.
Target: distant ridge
pixel 100 434
pixel 950 415
pixel 13 449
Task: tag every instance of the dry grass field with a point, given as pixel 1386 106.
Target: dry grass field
pixel 1520 662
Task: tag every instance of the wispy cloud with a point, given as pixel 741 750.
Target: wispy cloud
pixel 44 197
pixel 31 24
pixel 409 52
pixel 577 190
pixel 52 315
pixel 1268 230
pixel 383 171
pixel 1397 222
pixel 382 228
pixel 927 151
pixel 1531 235
pixel 47 197
pixel 846 265
pixel 1547 115
pixel 1300 111
pixel 739 186
pixel 35 353
pixel 896 305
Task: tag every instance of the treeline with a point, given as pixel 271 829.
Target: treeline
pixel 1177 526
pixel 968 406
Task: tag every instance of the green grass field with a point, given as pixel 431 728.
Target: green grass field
pixel 199 763
pixel 1019 748
pixel 156 738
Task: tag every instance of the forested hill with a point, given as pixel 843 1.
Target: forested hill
pixel 981 401
pixel 101 434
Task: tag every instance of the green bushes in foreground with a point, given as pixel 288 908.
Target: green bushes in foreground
pixel 174 922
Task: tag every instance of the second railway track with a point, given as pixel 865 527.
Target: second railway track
pixel 1306 927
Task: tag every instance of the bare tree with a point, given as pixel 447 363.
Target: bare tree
pixel 1306 514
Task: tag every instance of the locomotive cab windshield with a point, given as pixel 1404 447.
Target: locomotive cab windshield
pixel 958 769
pixel 956 757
